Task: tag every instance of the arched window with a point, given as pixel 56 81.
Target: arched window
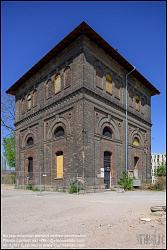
pixel 67 77
pixel 107 132
pixel 136 142
pixel 117 89
pixel 30 141
pixel 57 84
pixel 137 103
pixel 29 101
pixel 108 81
pixel 49 88
pixel 99 78
pixel 46 90
pixel 34 98
pixel 131 98
pixel 59 132
pixel 23 106
pixel 143 103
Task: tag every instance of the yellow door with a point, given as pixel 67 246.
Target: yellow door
pixel 59 164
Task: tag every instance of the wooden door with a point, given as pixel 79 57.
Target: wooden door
pixel 59 165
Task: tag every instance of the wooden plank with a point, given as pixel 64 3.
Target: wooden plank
pixel 60 166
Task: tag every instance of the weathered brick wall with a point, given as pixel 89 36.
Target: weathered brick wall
pixel 82 109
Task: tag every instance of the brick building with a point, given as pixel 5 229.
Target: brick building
pixel 70 115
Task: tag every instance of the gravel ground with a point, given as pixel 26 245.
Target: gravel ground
pixel 96 220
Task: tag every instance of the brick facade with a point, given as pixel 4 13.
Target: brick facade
pixel 79 103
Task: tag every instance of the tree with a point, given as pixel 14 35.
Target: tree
pixel 161 170
pixel 8 128
pixel 8 113
pixel 10 150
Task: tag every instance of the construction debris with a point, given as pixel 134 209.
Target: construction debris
pixel 145 219
pixel 158 208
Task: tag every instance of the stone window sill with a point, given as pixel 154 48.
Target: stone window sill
pixel 110 93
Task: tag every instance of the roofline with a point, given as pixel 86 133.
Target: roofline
pixel 83 28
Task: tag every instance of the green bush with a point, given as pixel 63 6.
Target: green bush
pixel 160 183
pixel 161 170
pixel 29 186
pixel 73 187
pixel 126 181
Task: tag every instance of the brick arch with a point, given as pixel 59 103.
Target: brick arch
pixel 59 122
pixel 137 134
pixel 26 136
pixel 109 123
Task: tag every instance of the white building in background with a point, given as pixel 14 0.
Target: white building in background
pixel 156 160
pixel 3 163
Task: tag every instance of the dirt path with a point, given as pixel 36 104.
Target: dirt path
pixel 97 220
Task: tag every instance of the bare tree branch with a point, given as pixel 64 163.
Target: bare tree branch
pixel 8 112
pixel 6 126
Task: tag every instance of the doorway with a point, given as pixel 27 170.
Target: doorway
pixel 136 162
pixel 107 169
pixel 30 168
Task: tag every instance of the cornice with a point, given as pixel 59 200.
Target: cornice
pixel 85 91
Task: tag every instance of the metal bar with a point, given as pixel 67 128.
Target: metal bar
pixel 40 182
pixel 126 119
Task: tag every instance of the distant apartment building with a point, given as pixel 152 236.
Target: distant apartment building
pixel 156 160
pixel 3 163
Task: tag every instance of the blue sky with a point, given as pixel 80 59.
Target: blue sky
pixel 136 29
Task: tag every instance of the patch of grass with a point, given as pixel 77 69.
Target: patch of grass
pixel 35 189
pixel 32 188
pixel 29 186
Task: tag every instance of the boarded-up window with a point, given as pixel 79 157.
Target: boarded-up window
pixel 59 164
pixel 143 103
pixel 49 89
pixel 131 98
pixel 34 98
pixel 108 81
pixel 23 106
pixel 57 84
pixel 117 89
pixel 136 142
pixel 137 102
pixel 46 90
pixel 99 78
pixel 67 77
pixel 29 101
